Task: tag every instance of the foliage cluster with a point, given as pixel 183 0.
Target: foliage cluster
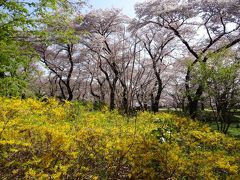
pixel 49 140
pixel 19 28
pixel 220 80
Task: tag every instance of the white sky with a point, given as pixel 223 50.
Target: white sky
pixel 126 5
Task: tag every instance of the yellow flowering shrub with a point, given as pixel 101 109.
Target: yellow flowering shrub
pixel 52 140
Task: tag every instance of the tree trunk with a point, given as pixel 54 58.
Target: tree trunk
pixel 70 93
pixel 155 106
pixel 62 90
pixel 125 104
pixel 112 99
pixel 192 108
pixel 124 97
pixel 192 99
pixel 112 92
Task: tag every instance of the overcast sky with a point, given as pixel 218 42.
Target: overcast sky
pixel 126 5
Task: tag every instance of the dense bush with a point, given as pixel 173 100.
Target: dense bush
pixel 70 141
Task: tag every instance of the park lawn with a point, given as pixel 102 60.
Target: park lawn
pixel 233 130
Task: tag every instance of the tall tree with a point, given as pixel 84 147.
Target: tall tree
pixel 218 21
pixel 103 27
pixel 15 55
pixel 18 24
pixel 157 45
pixel 221 76
pixel 57 44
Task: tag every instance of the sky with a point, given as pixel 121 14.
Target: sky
pixel 126 5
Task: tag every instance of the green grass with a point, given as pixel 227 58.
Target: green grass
pixel 232 131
